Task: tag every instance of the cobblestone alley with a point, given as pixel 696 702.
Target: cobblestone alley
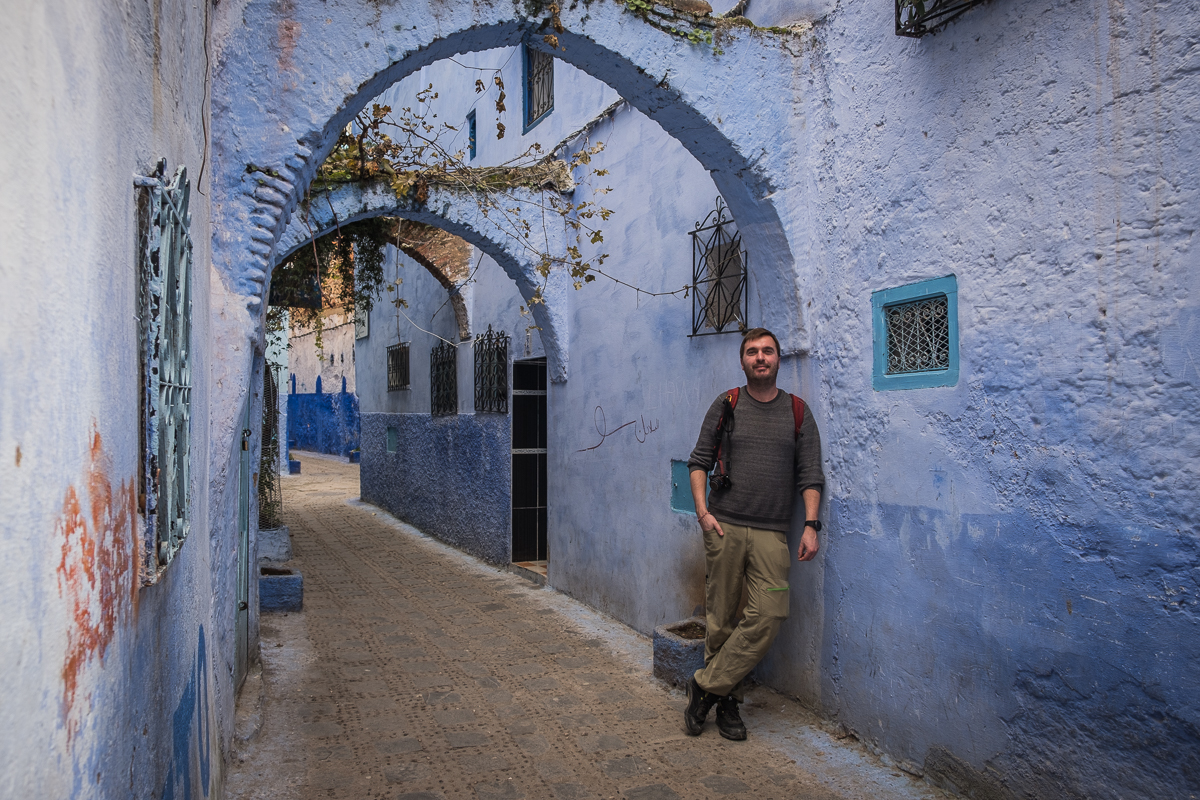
pixel 417 672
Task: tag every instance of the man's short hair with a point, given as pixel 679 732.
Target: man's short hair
pixel 756 333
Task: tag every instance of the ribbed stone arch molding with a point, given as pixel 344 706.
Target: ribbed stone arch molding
pixel 290 74
pixel 456 212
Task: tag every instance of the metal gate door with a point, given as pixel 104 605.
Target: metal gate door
pixel 529 461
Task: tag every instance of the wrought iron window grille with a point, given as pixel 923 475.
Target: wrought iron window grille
pixel 443 379
pixel 918 336
pixel 538 86
pixel 165 334
pixel 916 18
pixel 397 367
pixel 720 302
pixel 491 372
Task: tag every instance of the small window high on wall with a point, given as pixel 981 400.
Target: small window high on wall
pixel 915 335
pixel 165 342
pixel 538 85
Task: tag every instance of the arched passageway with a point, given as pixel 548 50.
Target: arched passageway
pixel 460 214
pixel 291 76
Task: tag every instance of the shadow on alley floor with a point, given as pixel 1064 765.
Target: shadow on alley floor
pixel 416 672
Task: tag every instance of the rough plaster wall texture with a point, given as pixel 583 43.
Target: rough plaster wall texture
pixel 307 362
pixel 93 97
pixel 1011 573
pixel 450 477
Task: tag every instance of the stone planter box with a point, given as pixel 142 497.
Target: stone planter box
pixel 280 589
pixel 677 653
pixel 274 544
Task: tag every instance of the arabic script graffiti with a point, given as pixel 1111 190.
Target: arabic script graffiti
pixel 641 429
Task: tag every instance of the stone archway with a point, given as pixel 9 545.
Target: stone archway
pixel 457 213
pixel 289 78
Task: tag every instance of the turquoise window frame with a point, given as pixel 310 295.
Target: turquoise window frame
pixel 681 488
pixel 883 382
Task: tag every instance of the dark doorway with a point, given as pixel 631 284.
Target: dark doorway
pixel 529 464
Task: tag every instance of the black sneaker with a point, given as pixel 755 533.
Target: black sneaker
pixel 729 721
pixel 699 704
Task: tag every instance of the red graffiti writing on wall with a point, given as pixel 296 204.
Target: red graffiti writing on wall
pixel 97 573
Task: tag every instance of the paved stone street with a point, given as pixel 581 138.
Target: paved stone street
pixel 417 672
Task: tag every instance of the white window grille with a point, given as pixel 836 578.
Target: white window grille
pixel 165 323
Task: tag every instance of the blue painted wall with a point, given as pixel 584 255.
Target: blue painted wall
pixel 449 476
pixel 323 423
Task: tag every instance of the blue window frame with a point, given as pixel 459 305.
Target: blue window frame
pixel 537 86
pixel 915 335
pixel 471 135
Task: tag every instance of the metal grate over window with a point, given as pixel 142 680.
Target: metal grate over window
pixel 165 328
pixel 918 335
pixel 539 85
pixel 915 18
pixel 491 372
pixel 720 303
pixel 443 379
pixel 397 367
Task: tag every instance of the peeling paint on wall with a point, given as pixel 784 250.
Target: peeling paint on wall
pixel 96 575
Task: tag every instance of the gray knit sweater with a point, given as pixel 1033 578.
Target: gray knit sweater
pixel 767 463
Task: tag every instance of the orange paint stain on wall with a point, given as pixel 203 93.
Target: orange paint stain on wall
pixel 97 574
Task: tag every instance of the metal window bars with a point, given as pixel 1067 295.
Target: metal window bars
pixel 539 85
pixel 720 302
pixel 918 335
pixel 165 323
pixel 491 372
pixel 916 18
pixel 443 379
pixel 397 367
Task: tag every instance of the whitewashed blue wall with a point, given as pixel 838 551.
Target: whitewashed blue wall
pixel 110 689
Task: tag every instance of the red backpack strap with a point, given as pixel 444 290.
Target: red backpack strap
pixel 797 413
pixel 733 396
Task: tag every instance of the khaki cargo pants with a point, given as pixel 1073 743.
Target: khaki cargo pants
pixel 758 560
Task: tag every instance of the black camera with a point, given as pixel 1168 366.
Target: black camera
pixel 718 481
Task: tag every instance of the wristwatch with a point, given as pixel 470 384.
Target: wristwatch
pixel 815 524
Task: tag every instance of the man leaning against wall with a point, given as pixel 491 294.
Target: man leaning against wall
pixel 762 446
